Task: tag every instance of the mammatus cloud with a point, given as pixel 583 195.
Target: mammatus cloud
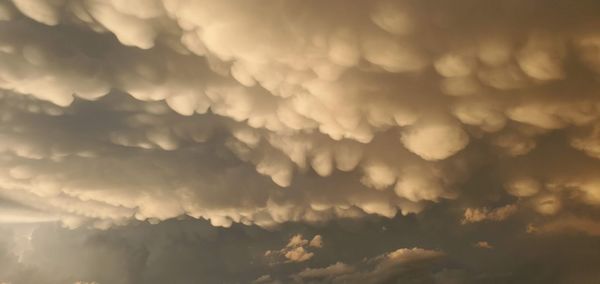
pixel 396 98
pixel 117 113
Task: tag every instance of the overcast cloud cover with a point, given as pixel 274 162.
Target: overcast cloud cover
pixel 299 141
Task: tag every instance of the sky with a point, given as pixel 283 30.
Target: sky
pixel 299 141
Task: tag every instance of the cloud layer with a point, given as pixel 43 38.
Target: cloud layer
pixel 371 105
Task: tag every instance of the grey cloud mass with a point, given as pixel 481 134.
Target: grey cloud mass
pixel 299 141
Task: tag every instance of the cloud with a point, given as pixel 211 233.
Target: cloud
pixel 523 187
pixel 264 279
pixel 474 215
pixel 568 224
pixel 317 241
pixel 483 245
pixel 298 254
pixel 372 95
pixel 378 269
pixel 435 142
pixel 328 272
pixel 297 249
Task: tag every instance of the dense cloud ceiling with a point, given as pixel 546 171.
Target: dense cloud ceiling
pixel 285 116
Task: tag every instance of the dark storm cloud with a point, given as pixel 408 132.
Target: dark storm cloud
pixel 429 248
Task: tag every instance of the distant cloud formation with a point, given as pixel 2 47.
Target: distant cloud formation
pixel 298 249
pixel 473 215
pixel 483 245
pixel 383 268
pixel 116 114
